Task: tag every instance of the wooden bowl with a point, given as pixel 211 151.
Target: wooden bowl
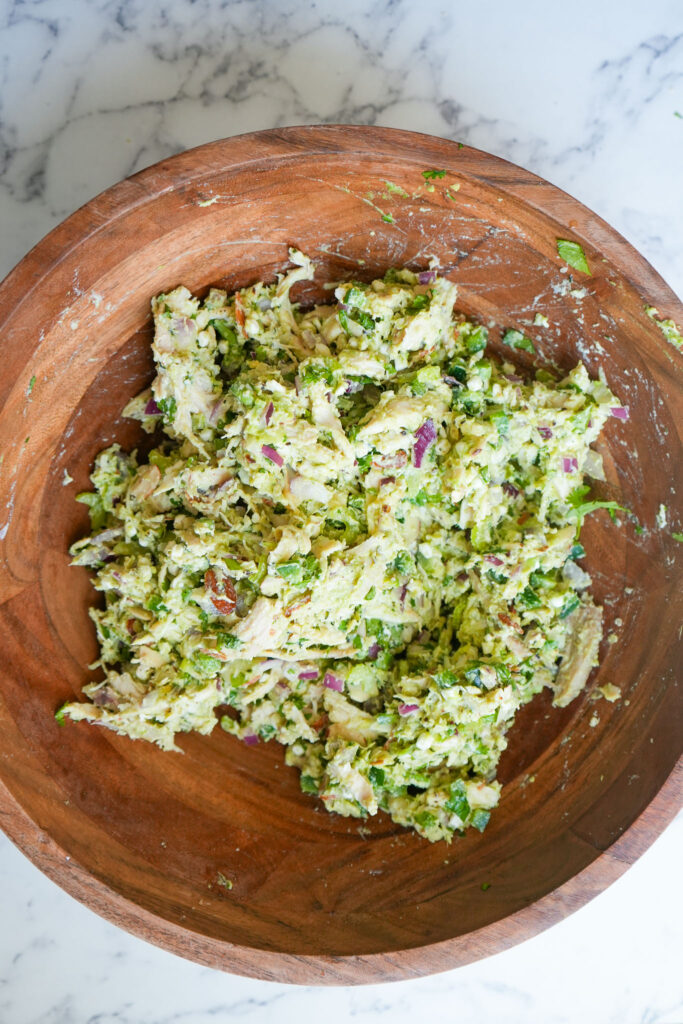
pixel 141 836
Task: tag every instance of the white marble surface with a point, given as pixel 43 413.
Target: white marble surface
pixel 584 94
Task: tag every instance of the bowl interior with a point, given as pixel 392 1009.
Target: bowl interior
pixel 158 829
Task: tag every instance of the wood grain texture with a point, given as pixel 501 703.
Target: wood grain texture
pixel 140 836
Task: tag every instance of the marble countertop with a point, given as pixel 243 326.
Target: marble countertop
pixel 91 91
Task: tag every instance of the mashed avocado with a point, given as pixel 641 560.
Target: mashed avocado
pixel 358 537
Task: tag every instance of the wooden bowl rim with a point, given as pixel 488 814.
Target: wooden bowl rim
pixel 50 857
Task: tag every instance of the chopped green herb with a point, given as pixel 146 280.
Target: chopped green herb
pixel 459 373
pixel 404 563
pixel 203 665
pixel 573 254
pixel 425 819
pixel 224 882
pixel 227 642
pixel 31 384
pixel 353 297
pixel 358 316
pixel 540 579
pixel 364 319
pixel 168 407
pixel 480 819
pixel 396 189
pixel 223 328
pixel 502 422
pixel 476 339
pixel 308 784
pixel 388 634
pixel 301 569
pixel 445 679
pixel 529 598
pixel 583 508
pixel 485 886
pixel 473 676
pixel 418 303
pixel 458 803
pixel 496 577
pixel 504 674
pixel 96 510
pixel 515 339
pixel 430 175
pixel 571 603
pixel 319 371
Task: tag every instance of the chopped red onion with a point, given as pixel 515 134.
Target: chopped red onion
pixel 424 437
pixel 183 328
pixel 545 432
pixel 452 382
pixel 106 698
pixel 493 560
pixel 309 674
pixel 268 412
pixel 152 409
pixel 427 276
pixel 215 410
pixel 373 650
pixel 510 489
pixel 387 480
pixel 271 454
pixel 620 412
pixel 250 739
pixel 569 465
pixel 402 594
pixel 333 682
pixel 514 379
pixel 407 709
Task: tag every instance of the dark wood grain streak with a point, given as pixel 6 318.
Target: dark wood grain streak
pixel 140 836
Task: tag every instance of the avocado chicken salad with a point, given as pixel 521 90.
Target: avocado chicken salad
pixel 358 537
